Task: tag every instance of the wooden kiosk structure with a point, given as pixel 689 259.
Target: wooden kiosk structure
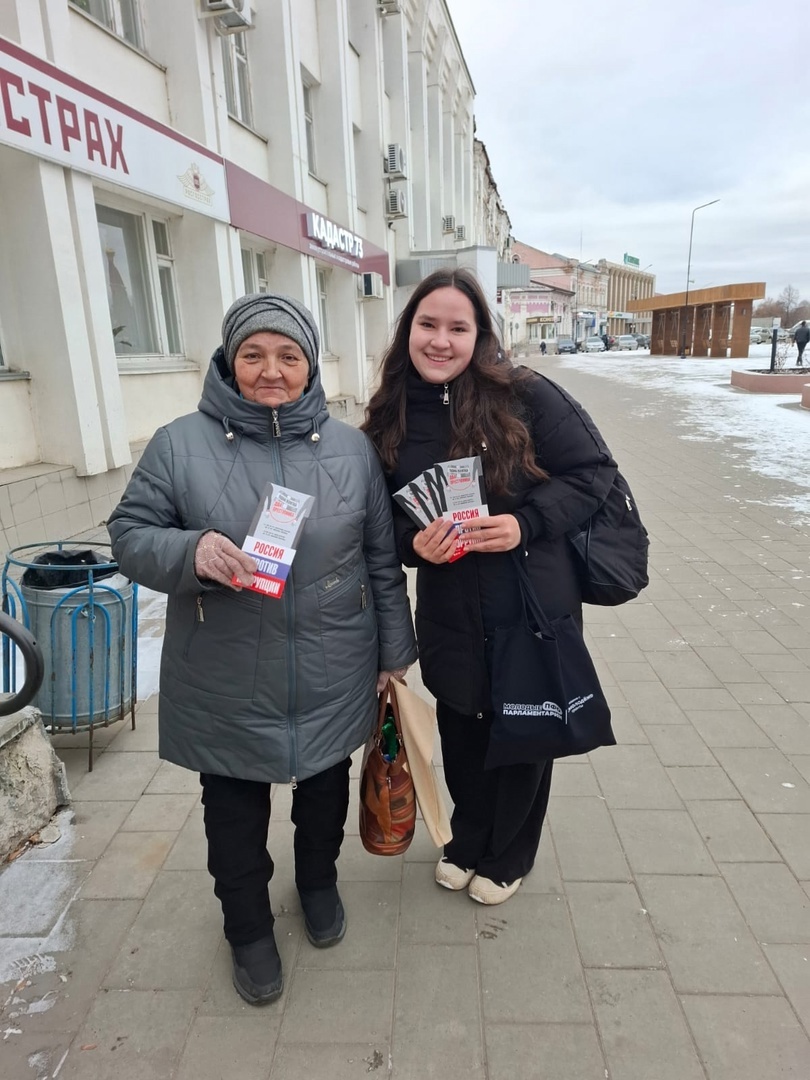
pixel 699 323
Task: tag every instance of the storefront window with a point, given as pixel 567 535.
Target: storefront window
pixel 254 270
pixel 323 309
pixel 141 292
pixel 120 16
pixel 237 77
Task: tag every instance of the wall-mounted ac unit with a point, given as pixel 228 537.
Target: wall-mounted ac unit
pixel 389 7
pixel 370 286
pixel 395 203
pixel 449 223
pixel 232 16
pixel 395 160
pixel 461 232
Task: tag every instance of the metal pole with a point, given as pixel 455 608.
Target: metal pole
pixel 688 274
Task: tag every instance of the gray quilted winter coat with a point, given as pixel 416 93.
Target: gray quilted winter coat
pixel 251 686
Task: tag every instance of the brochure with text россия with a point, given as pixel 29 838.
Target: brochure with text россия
pixel 453 490
pixel 273 537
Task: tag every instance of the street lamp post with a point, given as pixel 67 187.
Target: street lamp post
pixel 688 272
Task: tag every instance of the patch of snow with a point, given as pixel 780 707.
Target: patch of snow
pixel 768 434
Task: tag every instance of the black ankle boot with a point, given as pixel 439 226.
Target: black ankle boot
pixel 324 917
pixel 257 973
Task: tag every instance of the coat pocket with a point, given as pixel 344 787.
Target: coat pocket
pixel 348 625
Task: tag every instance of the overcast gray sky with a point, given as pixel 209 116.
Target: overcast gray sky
pixel 611 121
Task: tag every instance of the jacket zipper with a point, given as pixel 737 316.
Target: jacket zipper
pixel 200 612
pixel 276 424
pixel 446 395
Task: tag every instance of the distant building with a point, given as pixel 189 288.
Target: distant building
pixel 625 283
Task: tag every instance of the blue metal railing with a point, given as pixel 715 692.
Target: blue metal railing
pixel 89 660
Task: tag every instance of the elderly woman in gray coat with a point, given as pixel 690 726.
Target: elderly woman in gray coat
pixel 257 690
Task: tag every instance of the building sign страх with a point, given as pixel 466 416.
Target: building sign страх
pixel 53 115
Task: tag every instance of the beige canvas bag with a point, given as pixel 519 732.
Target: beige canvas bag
pixel 418 721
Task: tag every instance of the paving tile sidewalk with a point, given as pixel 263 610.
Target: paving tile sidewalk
pixel 663 935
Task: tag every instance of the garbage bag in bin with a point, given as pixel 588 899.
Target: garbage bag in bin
pixel 86 633
pixel 51 570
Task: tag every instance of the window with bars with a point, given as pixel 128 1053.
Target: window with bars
pixel 141 287
pixel 120 16
pixel 237 77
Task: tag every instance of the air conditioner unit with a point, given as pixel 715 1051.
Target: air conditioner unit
pixel 389 7
pixel 370 286
pixel 232 16
pixel 461 232
pixel 395 203
pixel 449 223
pixel 221 7
pixel 395 160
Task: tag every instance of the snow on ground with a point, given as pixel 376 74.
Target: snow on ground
pixel 151 613
pixel 770 433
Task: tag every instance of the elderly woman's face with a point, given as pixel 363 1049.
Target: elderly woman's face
pixel 270 369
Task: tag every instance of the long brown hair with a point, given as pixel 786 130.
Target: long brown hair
pixel 488 411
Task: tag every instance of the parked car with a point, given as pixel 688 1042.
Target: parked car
pixel 642 340
pixel 593 344
pixel 566 345
pixel 626 341
pixel 760 335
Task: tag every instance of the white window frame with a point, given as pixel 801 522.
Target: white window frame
pixel 235 61
pixel 322 280
pixel 155 300
pixel 308 87
pixel 255 269
pixel 114 15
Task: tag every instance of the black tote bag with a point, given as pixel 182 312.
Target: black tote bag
pixel 546 697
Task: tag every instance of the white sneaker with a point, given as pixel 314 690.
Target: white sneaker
pixel 486 891
pixel 450 876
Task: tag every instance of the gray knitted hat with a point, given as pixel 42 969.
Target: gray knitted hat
pixel 275 313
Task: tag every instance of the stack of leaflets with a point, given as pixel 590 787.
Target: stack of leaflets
pixel 273 537
pixel 453 490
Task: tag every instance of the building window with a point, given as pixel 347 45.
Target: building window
pixel 141 288
pixel 237 77
pixel 120 16
pixel 310 128
pixel 323 309
pixel 254 270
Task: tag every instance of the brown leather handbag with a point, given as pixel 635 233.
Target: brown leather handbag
pixel 387 797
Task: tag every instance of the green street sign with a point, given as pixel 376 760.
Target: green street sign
pixel 631 260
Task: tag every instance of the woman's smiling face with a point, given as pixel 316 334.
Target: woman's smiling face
pixel 443 335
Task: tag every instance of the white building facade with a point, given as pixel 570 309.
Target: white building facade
pixel 159 159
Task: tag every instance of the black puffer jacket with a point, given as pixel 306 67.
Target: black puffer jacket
pixel 459 604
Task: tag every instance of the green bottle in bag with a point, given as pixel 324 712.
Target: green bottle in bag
pixel 389 744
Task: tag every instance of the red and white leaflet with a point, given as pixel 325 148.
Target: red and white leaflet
pixel 273 537
pixel 453 490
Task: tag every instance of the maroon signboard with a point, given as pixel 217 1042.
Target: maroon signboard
pixel 263 210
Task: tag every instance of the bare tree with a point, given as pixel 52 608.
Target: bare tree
pixel 789 299
pixel 788 306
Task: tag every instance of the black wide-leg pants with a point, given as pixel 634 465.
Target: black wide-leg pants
pixel 498 813
pixel 237 817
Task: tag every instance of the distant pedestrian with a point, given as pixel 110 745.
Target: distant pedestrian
pixel 801 337
pixel 606 342
pixel 542 348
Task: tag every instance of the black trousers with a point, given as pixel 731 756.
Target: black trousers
pixel 801 347
pixel 498 813
pixel 237 817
